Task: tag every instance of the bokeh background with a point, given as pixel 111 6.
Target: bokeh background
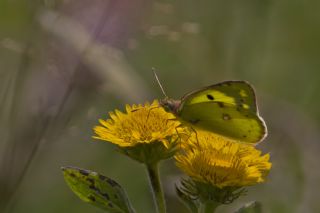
pixel 65 63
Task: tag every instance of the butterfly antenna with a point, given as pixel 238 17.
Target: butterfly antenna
pixel 156 76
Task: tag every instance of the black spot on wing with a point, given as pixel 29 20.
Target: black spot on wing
pixel 220 104
pixel 238 108
pixel 226 117
pixel 194 121
pixel 92 198
pixel 210 97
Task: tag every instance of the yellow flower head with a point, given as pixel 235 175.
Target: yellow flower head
pixel 140 124
pixel 139 127
pixel 221 162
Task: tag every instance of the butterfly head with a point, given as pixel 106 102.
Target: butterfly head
pixel 170 105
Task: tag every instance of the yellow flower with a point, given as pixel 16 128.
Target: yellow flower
pixel 141 132
pixel 221 162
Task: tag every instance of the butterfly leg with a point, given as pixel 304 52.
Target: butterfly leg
pixel 177 132
pixel 134 110
pixel 171 119
pixel 195 132
pixel 182 133
pixel 188 135
pixel 150 111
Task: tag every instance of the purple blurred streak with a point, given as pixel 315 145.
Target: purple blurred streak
pixel 122 19
pixel 108 22
pixel 59 71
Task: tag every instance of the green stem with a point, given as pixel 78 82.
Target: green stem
pixel 209 207
pixel 158 196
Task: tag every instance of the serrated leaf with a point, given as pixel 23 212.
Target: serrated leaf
pixel 97 190
pixel 192 204
pixel 252 207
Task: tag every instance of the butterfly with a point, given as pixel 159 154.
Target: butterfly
pixel 228 108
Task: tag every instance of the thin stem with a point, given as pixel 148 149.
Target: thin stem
pixel 158 196
pixel 209 207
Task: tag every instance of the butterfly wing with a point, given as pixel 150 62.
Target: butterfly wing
pixel 228 108
pixel 237 93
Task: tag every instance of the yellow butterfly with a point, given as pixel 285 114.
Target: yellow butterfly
pixel 228 108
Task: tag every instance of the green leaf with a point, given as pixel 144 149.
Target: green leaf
pixel 97 190
pixel 253 207
pixel 193 204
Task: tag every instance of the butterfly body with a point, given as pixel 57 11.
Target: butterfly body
pixel 227 108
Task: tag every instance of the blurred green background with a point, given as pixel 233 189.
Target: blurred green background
pixel 65 64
